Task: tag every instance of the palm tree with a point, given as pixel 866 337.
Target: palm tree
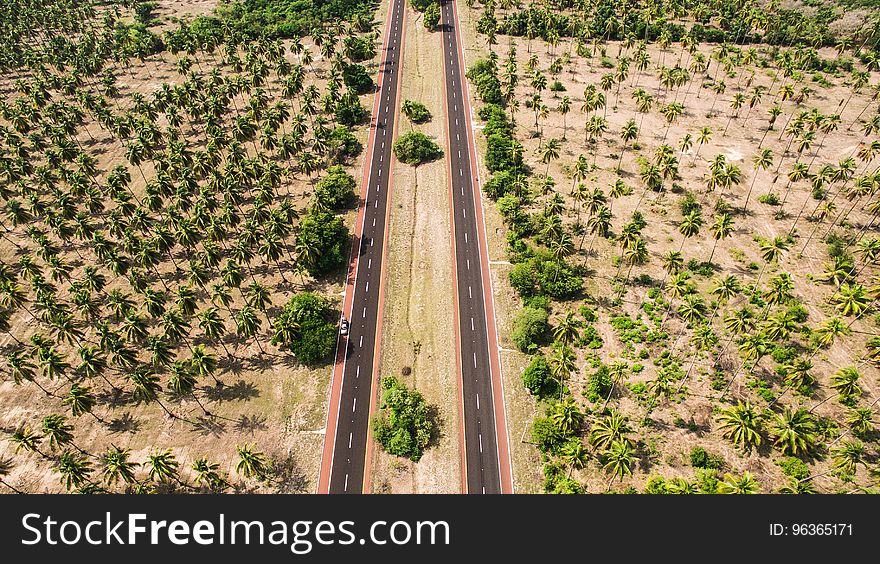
pixel 628 132
pixel 117 466
pixel 163 466
pixel 203 363
pixel 745 484
pixel 849 455
pixel 563 109
pixel 762 160
pixel 207 475
pixel 575 455
pixel 251 463
pixel 80 400
pixel 690 226
pixel 567 331
pixel 852 299
pixel 619 459
pixel 742 424
pixel 609 429
pixel 248 324
pixel 726 287
pixel 720 229
pixel 74 469
pixel 562 364
pixel 5 470
pixel 860 420
pixel 549 152
pixel 794 431
pixel 56 429
pixel 846 382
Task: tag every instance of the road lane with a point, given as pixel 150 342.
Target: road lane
pixel 486 451
pixel 344 464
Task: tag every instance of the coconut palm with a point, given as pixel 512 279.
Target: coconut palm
pixel 566 416
pixel 609 429
pixel 164 466
pixel 849 455
pixel 74 468
pixel 745 484
pixel 741 424
pixel 721 229
pixel 117 466
pixel 794 431
pixel 208 475
pixel 252 463
pixel 846 382
pixel 619 459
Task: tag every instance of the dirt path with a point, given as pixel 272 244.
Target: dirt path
pixel 418 318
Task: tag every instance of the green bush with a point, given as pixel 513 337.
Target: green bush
pixel 546 435
pixel 499 184
pixel 415 111
pixel 345 143
pixel 416 148
pixel 327 238
pixel 305 325
pixel 349 110
pixel 701 458
pixel 405 424
pixel 359 49
pixel 482 73
pixel 503 152
pixel 530 329
pixel 357 78
pixel 540 275
pixel 656 485
pixel 143 12
pixel 336 189
pixel 537 378
pixel 598 384
pixel 590 338
pixel 253 19
pixel 794 467
pixel 770 199
pixel 432 16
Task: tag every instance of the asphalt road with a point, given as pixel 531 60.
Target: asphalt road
pixel 478 352
pixel 350 401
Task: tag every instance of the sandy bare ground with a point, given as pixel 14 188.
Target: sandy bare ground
pixel 270 400
pixel 667 445
pixel 418 327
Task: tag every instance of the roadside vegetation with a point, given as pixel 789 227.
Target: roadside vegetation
pixel 175 207
pixel 690 200
pixel 406 424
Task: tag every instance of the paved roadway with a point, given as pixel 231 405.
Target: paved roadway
pixel 344 463
pixel 486 459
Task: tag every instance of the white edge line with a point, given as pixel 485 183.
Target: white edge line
pixel 373 123
pixel 485 244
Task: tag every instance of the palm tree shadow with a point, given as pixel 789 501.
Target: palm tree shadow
pixel 232 365
pixel 125 423
pixel 288 477
pixel 205 426
pixel 251 423
pixel 240 391
pixel 437 424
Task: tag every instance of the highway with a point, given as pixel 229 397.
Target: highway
pixel 345 457
pixel 485 457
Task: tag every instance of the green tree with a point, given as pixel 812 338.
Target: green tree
pixel 405 425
